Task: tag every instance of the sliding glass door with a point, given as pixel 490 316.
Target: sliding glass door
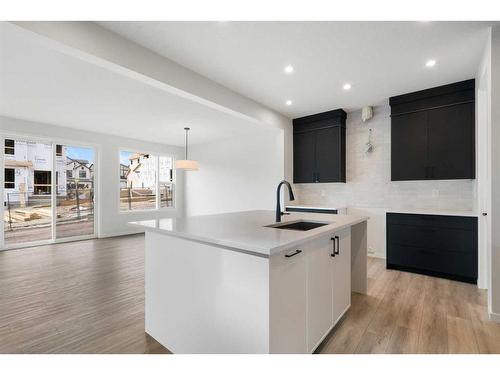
pixel 27 191
pixel 75 191
pixel 48 192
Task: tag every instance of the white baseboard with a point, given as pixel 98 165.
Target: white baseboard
pixel 494 316
pixel 376 255
pixel 120 233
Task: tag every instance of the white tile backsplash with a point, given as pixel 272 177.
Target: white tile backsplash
pixel 369 189
pixel 369 180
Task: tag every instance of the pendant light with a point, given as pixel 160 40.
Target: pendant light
pixel 186 164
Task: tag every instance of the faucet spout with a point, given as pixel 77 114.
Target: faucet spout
pixel 278 205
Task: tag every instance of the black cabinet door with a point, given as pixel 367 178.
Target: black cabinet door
pixel 328 155
pixel 436 245
pixel 451 142
pixel 304 160
pixel 409 147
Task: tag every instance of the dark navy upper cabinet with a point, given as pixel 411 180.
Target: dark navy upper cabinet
pixel 304 167
pixel 319 147
pixel 433 133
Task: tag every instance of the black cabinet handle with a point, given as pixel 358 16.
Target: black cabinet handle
pixel 292 254
pixel 338 245
pixel 317 177
pixel 333 247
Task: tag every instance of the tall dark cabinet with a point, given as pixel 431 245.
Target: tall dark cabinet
pixel 433 133
pixel 319 147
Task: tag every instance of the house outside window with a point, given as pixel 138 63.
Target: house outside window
pixel 9 147
pixel 42 182
pixel 10 178
pixel 146 181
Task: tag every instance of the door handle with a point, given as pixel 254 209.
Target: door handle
pixel 333 247
pixel 338 245
pixel 293 254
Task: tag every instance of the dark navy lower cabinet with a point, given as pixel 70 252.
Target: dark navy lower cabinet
pixel 436 245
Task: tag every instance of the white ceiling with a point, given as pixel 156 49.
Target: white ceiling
pixel 379 59
pixel 40 84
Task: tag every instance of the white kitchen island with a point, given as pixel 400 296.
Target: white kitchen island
pixel 229 283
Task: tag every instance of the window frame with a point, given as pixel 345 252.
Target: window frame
pixel 13 182
pixel 157 156
pixel 53 140
pixel 5 147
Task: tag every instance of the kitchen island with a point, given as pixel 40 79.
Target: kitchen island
pixel 236 283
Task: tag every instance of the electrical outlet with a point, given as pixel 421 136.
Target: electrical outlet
pixel 370 250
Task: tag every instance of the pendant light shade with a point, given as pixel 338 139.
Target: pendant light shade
pixel 186 164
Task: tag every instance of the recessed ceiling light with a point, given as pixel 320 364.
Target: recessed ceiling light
pixel 430 63
pixel 288 102
pixel 288 69
pixel 347 86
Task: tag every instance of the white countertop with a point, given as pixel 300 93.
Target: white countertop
pixel 433 212
pixel 246 231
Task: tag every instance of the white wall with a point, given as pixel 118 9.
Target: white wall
pixel 369 189
pixel 483 158
pixel 236 174
pixel 111 221
pixel 495 175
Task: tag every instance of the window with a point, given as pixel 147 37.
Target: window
pixel 42 183
pixel 166 182
pixel 69 174
pixel 82 173
pixel 59 150
pixel 10 179
pixel 9 147
pixel 146 181
pixel 123 171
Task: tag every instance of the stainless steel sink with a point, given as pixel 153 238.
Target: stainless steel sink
pixel 299 225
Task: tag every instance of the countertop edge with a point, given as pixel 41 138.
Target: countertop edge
pixel 433 212
pixel 209 241
pixel 278 249
pixel 260 252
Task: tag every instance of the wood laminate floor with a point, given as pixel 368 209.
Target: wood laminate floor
pixel 79 297
pixel 409 313
pixel 88 297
